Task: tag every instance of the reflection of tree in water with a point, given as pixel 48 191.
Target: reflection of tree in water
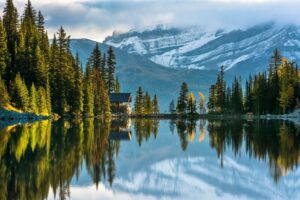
pixel 37 156
pixel 186 130
pixel 144 128
pixel 274 141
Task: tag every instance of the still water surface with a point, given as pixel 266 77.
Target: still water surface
pixel 150 159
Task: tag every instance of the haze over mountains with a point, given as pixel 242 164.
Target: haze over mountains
pixel 160 59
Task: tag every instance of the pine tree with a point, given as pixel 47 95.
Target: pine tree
pixel 191 103
pixel 148 107
pixel 48 97
pixel 77 103
pixel 172 109
pixel 105 102
pixel 237 97
pixel 212 99
pixel 5 99
pixel 10 22
pixel 248 104
pixel 3 49
pixel 182 99
pixel 117 86
pixel 88 103
pixel 20 94
pixel 40 70
pixel 286 97
pixel 273 82
pixel 63 69
pixel 220 90
pixel 138 106
pixel 103 68
pixel 111 66
pixel 33 99
pixel 95 59
pixel 101 97
pixel 155 105
pixel 42 102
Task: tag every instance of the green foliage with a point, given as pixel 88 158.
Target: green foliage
pixel 182 99
pixel 111 66
pixel 88 101
pixel 138 105
pixel 10 22
pixel 144 104
pixel 276 92
pixel 20 94
pixel 117 86
pixel 101 98
pixel 55 77
pixel 4 93
pixel 155 105
pixel 77 103
pixel 42 102
pixel 3 49
pixel 33 99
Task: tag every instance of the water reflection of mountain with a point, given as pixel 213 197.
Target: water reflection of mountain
pixel 169 159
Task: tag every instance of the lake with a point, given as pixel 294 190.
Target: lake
pixel 150 159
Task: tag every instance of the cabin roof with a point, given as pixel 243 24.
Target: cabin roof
pixel 120 97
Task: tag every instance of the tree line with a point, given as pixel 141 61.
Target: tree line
pixel 276 91
pixel 42 77
pixel 186 102
pixel 144 104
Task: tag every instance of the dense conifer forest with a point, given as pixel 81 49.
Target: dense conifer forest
pixel 43 78
pixel 276 91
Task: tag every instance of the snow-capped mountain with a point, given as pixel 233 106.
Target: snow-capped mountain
pixel 240 51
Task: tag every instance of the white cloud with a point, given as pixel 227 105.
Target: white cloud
pixel 96 19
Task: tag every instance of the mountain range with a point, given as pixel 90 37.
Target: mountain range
pixel 161 58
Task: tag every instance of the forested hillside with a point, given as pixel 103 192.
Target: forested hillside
pixel 44 78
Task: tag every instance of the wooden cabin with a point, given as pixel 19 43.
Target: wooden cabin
pixel 120 103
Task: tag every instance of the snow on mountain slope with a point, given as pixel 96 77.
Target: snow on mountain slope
pixel 240 51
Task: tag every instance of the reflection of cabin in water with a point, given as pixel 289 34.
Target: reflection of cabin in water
pixel 120 129
pixel 120 103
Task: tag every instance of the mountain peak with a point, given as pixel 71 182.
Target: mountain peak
pixel 238 50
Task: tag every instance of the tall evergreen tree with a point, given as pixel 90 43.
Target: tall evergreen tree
pixel 88 103
pixel 191 103
pixel 33 99
pixel 10 22
pixel 111 66
pixel 3 49
pixel 104 70
pixel 147 105
pixel 237 97
pixel 5 99
pixel 138 106
pixel 212 99
pixel 155 105
pixel 172 107
pixel 182 99
pixel 221 87
pixel 20 94
pixel 117 86
pixel 42 102
pixel 77 103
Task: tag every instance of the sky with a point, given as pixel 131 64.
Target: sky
pixel 97 19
